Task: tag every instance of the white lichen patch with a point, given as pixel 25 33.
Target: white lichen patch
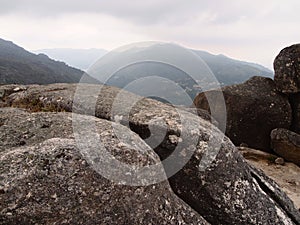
pixel 283 218
pixel 227 184
pixel 118 118
pixel 174 139
pixel 226 196
pixel 239 188
pixel 195 132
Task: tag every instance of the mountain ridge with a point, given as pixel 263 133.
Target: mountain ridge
pixel 97 53
pixel 184 70
pixel 19 66
pixel 78 58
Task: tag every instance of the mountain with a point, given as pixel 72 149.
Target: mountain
pixel 227 70
pixel 78 58
pixel 178 72
pixel 22 67
pixel 230 71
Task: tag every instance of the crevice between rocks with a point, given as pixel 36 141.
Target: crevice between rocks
pixel 294 107
pixel 290 98
pixel 277 199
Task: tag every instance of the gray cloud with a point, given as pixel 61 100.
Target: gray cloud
pixel 135 10
pixel 248 29
pixel 140 12
pixel 159 11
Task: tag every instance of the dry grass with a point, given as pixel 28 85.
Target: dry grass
pixel 36 105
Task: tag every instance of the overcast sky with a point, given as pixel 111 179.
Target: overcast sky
pixel 253 30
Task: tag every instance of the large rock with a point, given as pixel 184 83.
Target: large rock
pixel 287 69
pixel 287 79
pixel 48 181
pixel 254 109
pixel 215 179
pixel 286 144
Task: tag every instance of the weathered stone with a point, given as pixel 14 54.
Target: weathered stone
pixel 287 79
pixel 230 190
pixel 203 114
pixel 215 181
pixel 279 161
pixel 286 144
pixel 17 125
pixel 19 88
pixel 254 109
pixel 48 181
pixel 287 69
pixel 243 145
pixel 285 175
pixel 6 90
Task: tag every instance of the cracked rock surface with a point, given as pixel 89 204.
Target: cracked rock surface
pixel 215 180
pixel 46 180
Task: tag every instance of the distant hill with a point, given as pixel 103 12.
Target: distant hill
pixel 78 58
pixel 227 71
pixel 230 71
pixel 22 67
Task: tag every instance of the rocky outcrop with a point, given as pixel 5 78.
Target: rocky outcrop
pixel 46 180
pixel 204 114
pixel 287 79
pixel 215 180
pixel 254 109
pixel 287 69
pixel 286 144
pixel 286 175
